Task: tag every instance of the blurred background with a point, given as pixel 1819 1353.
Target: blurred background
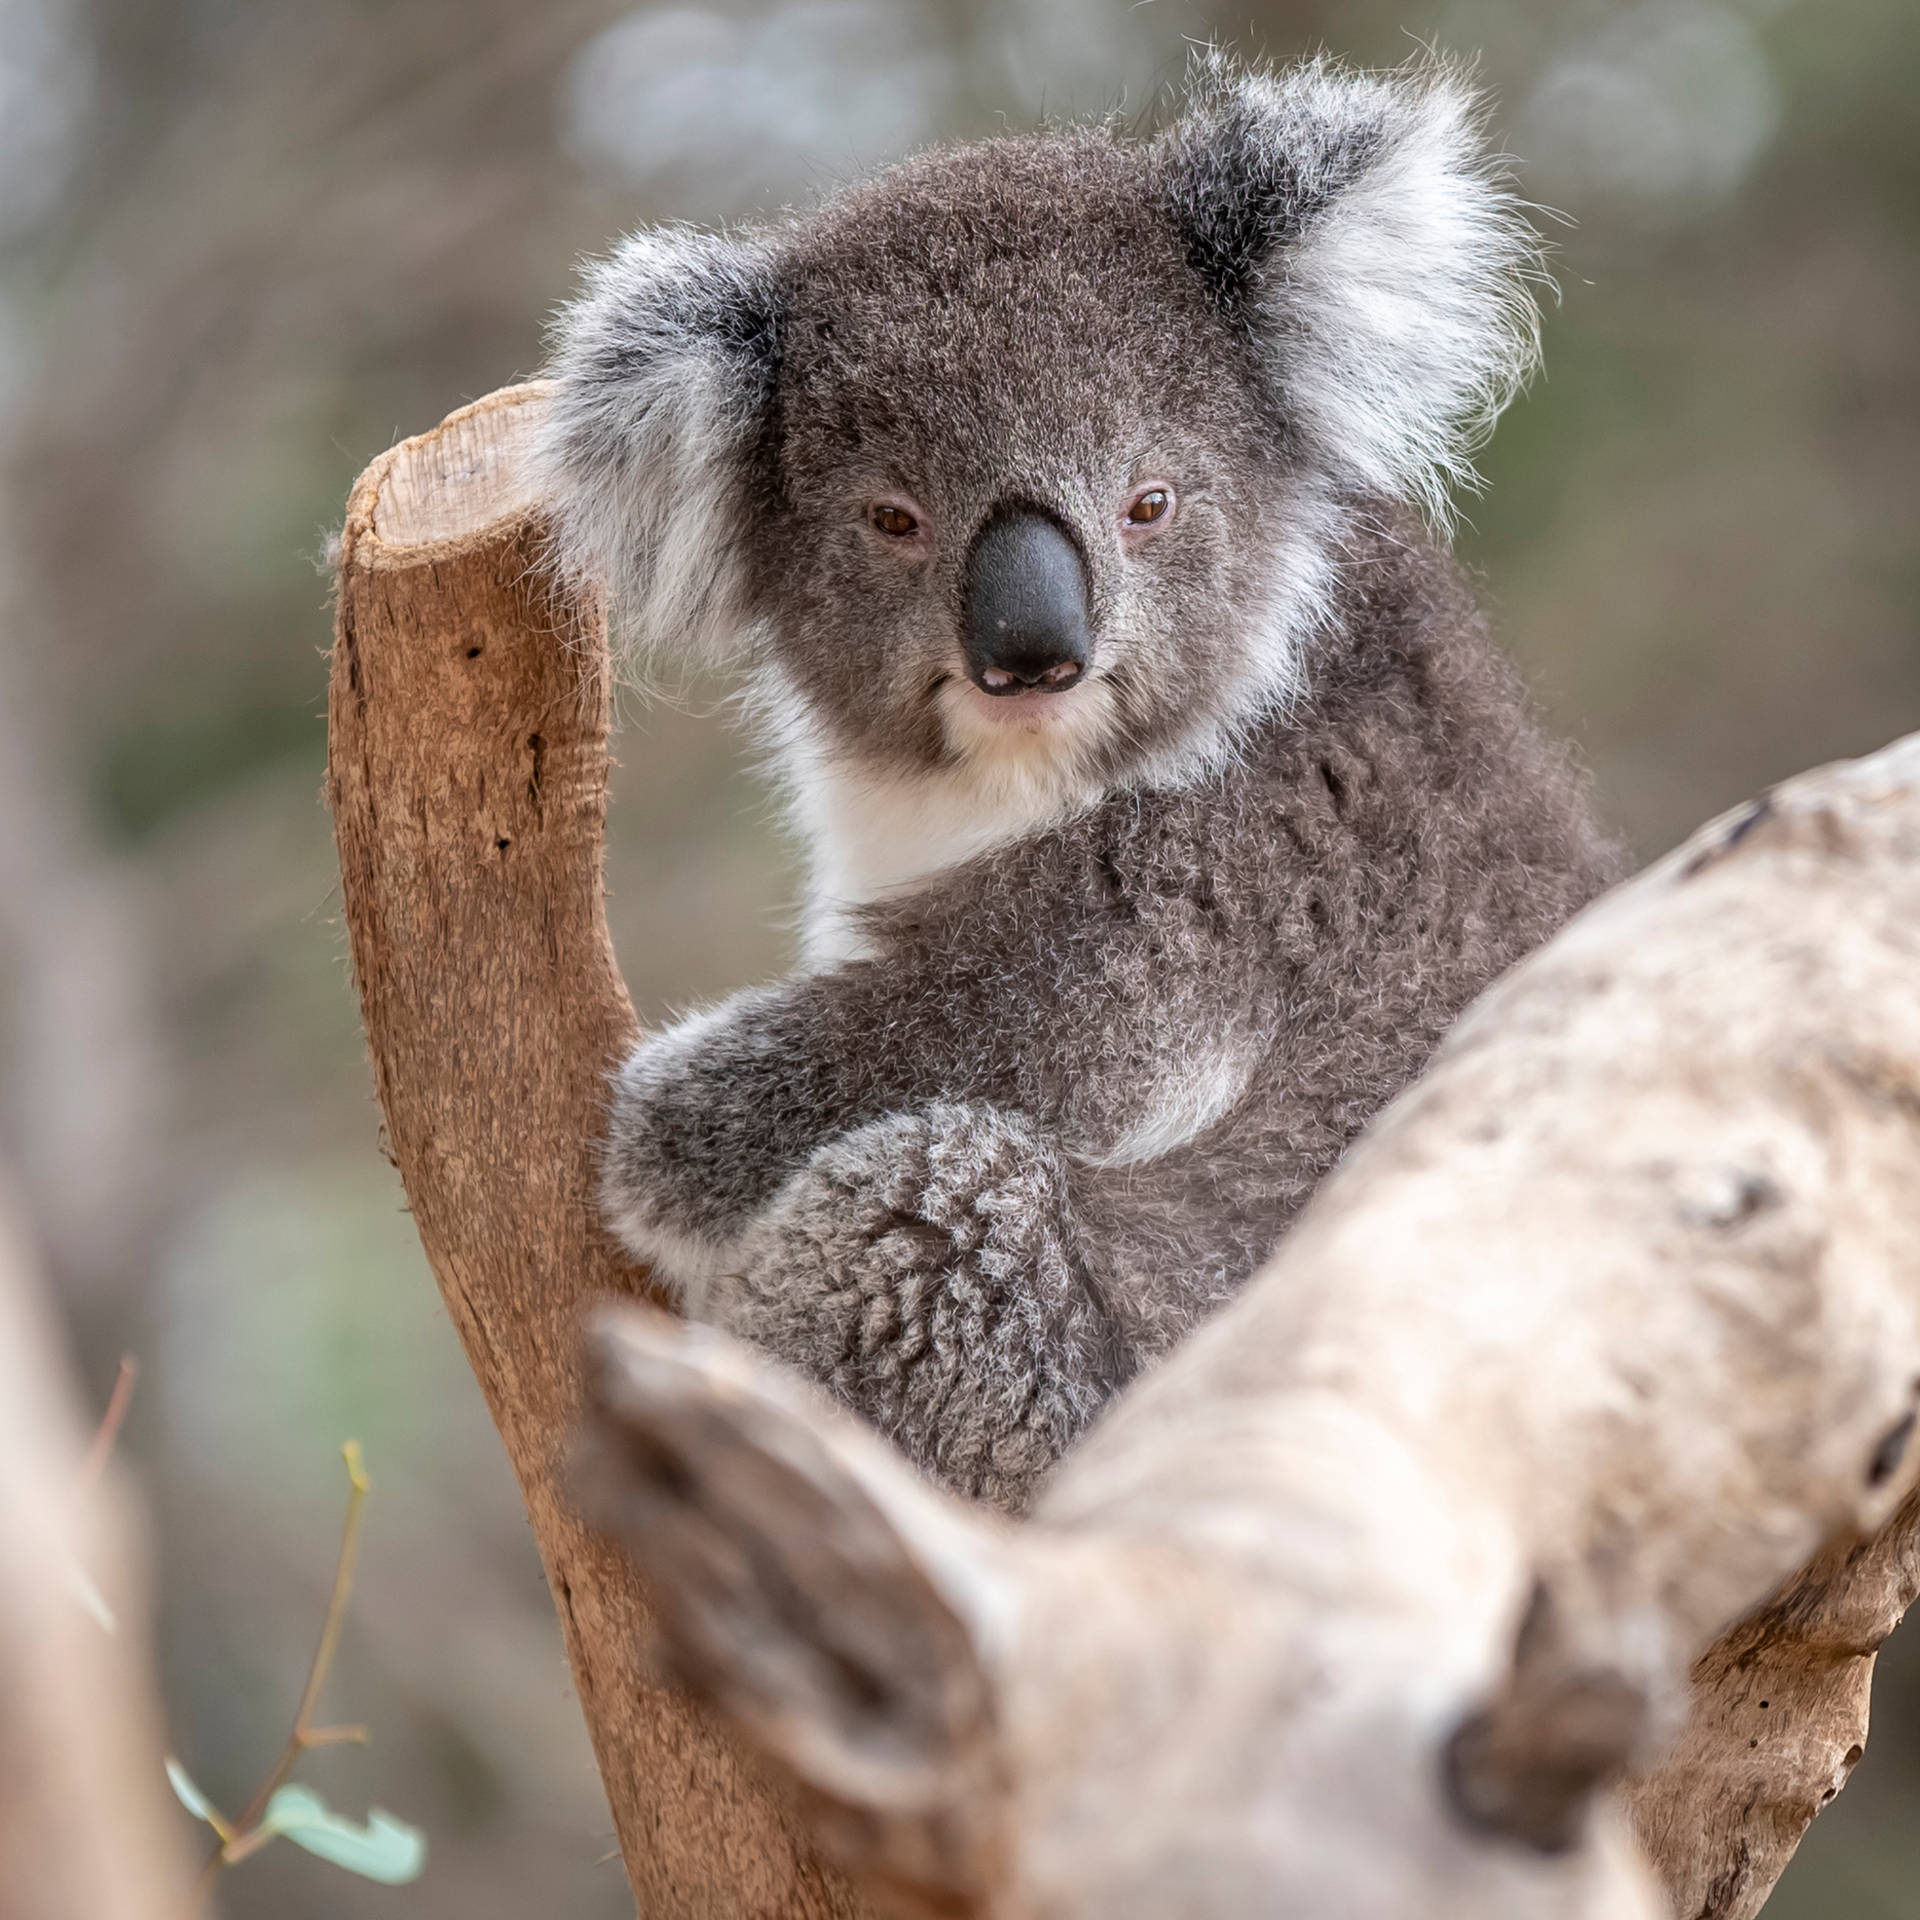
pixel 244 244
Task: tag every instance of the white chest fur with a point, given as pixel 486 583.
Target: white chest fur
pixel 870 831
pixel 869 835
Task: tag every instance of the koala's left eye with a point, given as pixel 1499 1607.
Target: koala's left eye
pixel 1149 505
pixel 895 520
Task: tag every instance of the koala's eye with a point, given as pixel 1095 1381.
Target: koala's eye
pixel 895 520
pixel 1149 505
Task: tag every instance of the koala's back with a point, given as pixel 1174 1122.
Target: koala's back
pixel 1245 971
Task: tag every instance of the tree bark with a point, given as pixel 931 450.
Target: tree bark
pixel 467 774
pixel 1603 1335
pixel 85 1827
pixel 1777 1723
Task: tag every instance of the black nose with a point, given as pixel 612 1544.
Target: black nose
pixel 1026 606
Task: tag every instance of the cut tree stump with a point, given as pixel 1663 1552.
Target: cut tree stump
pixel 467 774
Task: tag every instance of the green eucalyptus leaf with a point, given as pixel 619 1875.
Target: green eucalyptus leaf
pixel 385 1849
pixel 189 1796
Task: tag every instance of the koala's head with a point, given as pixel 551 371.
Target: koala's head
pixel 1038 453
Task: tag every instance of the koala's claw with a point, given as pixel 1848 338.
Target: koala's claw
pixel 670 1165
pixel 926 1268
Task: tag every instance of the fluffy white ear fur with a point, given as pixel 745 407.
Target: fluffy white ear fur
pixel 1395 292
pixel 663 368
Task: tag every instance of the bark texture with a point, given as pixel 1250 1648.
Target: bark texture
pixel 86 1831
pixel 1777 1723
pixel 1605 1335
pixel 467 774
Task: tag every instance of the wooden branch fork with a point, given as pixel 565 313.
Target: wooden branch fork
pixel 1616 1316
pixel 467 772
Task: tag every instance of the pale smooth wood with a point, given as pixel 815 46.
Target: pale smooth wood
pixel 1680 1148
pixel 467 774
pixel 1604 1335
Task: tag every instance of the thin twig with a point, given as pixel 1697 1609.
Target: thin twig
pixel 245 1837
pixel 335 1737
pixel 336 1608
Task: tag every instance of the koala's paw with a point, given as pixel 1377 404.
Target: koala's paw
pixel 659 1118
pixel 925 1268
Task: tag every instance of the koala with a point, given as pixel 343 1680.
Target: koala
pixel 1071 508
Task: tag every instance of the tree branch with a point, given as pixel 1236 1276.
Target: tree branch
pixel 467 773
pixel 1777 1721
pixel 1606 1334
pixel 469 714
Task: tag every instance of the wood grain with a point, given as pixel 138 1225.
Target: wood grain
pixel 467 774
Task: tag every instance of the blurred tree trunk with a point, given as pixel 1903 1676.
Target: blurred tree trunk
pixel 467 756
pixel 85 1832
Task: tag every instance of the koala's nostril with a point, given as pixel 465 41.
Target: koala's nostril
pixel 1063 673
pixel 1027 622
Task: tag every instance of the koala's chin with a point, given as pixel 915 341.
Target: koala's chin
pixel 1038 737
pixel 1072 510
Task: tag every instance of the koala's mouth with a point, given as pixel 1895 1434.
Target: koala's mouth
pixel 1009 684
pixel 1026 707
pixel 1035 734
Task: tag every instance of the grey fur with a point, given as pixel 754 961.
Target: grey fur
pixel 1094 1000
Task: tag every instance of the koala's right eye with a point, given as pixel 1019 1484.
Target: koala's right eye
pixel 895 520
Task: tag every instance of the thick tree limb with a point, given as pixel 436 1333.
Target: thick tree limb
pixel 1605 1335
pixel 86 1831
pixel 1639 1263
pixel 467 772
pixel 468 780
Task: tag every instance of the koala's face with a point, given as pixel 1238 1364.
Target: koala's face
pixel 1026 494
pixel 1037 454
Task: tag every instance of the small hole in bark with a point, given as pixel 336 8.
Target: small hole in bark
pixel 473 653
pixel 1855 1754
pixel 1764 1704
pixel 1725 1197
pixel 1828 1795
pixel 1890 1452
pixel 503 845
pixel 670 1477
pixel 1758 811
pixel 1753 1743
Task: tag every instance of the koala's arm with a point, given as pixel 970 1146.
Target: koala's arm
pixel 1120 1027
pixel 709 1116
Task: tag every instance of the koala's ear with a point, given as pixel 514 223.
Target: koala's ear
pixel 1361 229
pixel 663 372
pixel 812 1587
